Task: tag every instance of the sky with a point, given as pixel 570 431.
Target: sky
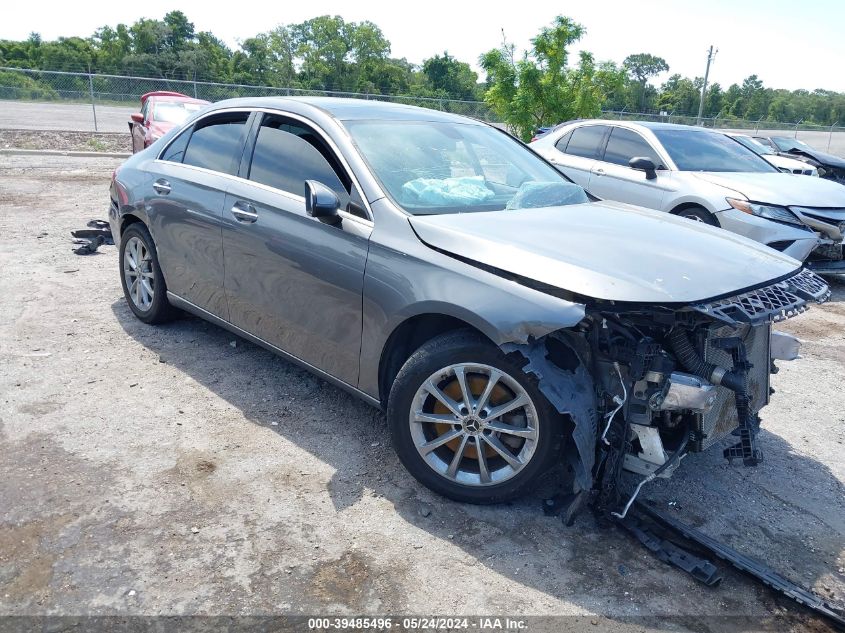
pixel 787 44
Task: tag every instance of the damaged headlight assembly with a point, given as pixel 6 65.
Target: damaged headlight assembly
pixel 768 211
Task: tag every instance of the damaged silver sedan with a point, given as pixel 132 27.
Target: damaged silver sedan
pixel 439 269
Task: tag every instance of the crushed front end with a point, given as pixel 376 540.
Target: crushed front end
pixel 675 379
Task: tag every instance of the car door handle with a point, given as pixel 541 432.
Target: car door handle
pixel 161 186
pixel 244 212
pixel 598 171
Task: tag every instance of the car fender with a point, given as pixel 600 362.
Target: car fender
pixel 700 193
pixel 415 280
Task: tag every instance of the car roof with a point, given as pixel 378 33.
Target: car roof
pixel 349 109
pixel 170 96
pixel 654 125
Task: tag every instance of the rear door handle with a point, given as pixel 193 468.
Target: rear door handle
pixel 599 171
pixel 244 212
pixel 161 186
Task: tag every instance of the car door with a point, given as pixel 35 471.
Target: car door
pixel 137 131
pixel 613 179
pixel 187 191
pixel 291 279
pixel 576 152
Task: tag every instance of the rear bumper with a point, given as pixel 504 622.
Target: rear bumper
pixel 792 240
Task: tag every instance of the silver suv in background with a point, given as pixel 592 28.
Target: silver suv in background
pixel 705 176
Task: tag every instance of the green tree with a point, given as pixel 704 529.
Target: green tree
pixel 680 95
pixel 541 87
pixel 449 77
pixel 642 67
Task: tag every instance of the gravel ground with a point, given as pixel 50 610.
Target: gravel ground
pixel 177 470
pixel 66 141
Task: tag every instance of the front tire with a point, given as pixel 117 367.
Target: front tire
pixel 469 424
pixel 140 275
pixel 699 214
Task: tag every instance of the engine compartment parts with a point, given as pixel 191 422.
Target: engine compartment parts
pixel 644 385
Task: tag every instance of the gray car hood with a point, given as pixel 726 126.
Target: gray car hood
pixel 779 188
pixel 608 250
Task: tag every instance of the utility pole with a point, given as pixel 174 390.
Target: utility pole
pixel 711 55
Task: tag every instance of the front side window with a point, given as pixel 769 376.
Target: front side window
pixel 430 167
pixel 217 143
pixel 624 144
pixel 699 150
pixel 288 153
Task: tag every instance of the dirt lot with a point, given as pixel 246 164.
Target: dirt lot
pixel 66 141
pixel 175 470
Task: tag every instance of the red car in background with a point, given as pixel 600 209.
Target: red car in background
pixel 160 111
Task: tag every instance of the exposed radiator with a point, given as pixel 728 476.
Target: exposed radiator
pixel 721 420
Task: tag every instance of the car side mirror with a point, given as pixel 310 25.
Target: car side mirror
pixel 644 164
pixel 321 202
pixel 137 117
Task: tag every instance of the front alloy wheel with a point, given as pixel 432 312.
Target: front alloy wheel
pixel 473 424
pixel 468 423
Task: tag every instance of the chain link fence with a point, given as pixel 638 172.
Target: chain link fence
pixel 111 97
pixel 101 90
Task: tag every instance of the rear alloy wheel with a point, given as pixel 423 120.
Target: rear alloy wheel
pixel 468 423
pixel 699 214
pixel 140 275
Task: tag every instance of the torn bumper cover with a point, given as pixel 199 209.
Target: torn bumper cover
pixel 665 380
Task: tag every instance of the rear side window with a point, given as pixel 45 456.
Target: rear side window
pixel 288 153
pixel 586 141
pixel 217 143
pixel 563 141
pixel 624 145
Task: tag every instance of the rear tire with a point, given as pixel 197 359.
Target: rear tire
pixel 699 214
pixel 469 448
pixel 141 278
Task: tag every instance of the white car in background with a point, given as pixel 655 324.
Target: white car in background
pixel 705 176
pixel 783 163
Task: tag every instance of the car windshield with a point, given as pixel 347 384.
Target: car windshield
pixel 442 167
pixel 754 146
pixel 174 111
pixel 698 150
pixel 786 144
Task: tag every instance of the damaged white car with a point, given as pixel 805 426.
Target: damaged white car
pixel 437 268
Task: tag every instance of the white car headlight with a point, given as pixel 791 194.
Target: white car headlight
pixel 768 211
